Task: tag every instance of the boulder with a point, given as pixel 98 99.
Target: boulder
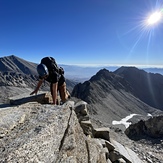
pixel 42 98
pixel 41 133
pixel 102 133
pixel 150 128
pixel 123 152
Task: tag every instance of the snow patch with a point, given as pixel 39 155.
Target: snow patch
pixel 149 115
pixel 124 121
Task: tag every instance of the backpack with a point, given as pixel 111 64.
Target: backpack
pixel 51 64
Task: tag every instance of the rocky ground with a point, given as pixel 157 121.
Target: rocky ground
pixel 148 149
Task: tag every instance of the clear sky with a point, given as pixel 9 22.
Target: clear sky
pixel 103 32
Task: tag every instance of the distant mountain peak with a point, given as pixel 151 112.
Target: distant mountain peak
pixel 102 74
pixel 12 56
pixel 9 57
pixel 127 69
pixel 100 85
pixel 112 95
pixel 13 63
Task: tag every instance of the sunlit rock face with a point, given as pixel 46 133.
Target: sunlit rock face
pixel 41 133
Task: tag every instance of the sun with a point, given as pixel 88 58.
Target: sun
pixel 154 18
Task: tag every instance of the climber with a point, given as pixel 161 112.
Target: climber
pixel 48 70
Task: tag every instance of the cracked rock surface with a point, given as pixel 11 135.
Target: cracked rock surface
pixel 33 132
pixel 46 133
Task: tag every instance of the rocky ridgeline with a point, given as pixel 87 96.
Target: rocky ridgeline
pixel 34 132
pixel 17 79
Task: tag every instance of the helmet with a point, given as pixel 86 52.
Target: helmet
pixel 42 70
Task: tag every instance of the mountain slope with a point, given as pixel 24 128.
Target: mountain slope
pixel 148 87
pixel 111 97
pixel 18 73
pixel 16 64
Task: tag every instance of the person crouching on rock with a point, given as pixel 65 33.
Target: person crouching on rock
pixel 48 70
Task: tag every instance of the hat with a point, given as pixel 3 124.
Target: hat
pixel 42 70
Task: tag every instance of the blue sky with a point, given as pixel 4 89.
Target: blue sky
pixel 92 32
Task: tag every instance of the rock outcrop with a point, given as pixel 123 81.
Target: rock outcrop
pixel 42 98
pixel 34 132
pixel 153 127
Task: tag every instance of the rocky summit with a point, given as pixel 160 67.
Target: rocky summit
pixel 35 132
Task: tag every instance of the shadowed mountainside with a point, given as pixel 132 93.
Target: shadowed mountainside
pixel 112 97
pixel 148 87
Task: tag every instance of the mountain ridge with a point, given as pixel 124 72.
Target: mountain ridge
pixel 19 73
pixel 82 73
pixel 111 97
pixel 147 86
pixel 14 63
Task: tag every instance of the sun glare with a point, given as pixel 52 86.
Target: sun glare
pixel 154 18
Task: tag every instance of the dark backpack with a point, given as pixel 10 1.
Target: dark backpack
pixel 51 64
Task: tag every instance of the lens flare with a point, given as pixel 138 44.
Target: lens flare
pixel 154 18
pixel 144 32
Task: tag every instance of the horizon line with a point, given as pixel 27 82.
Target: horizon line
pixel 113 65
